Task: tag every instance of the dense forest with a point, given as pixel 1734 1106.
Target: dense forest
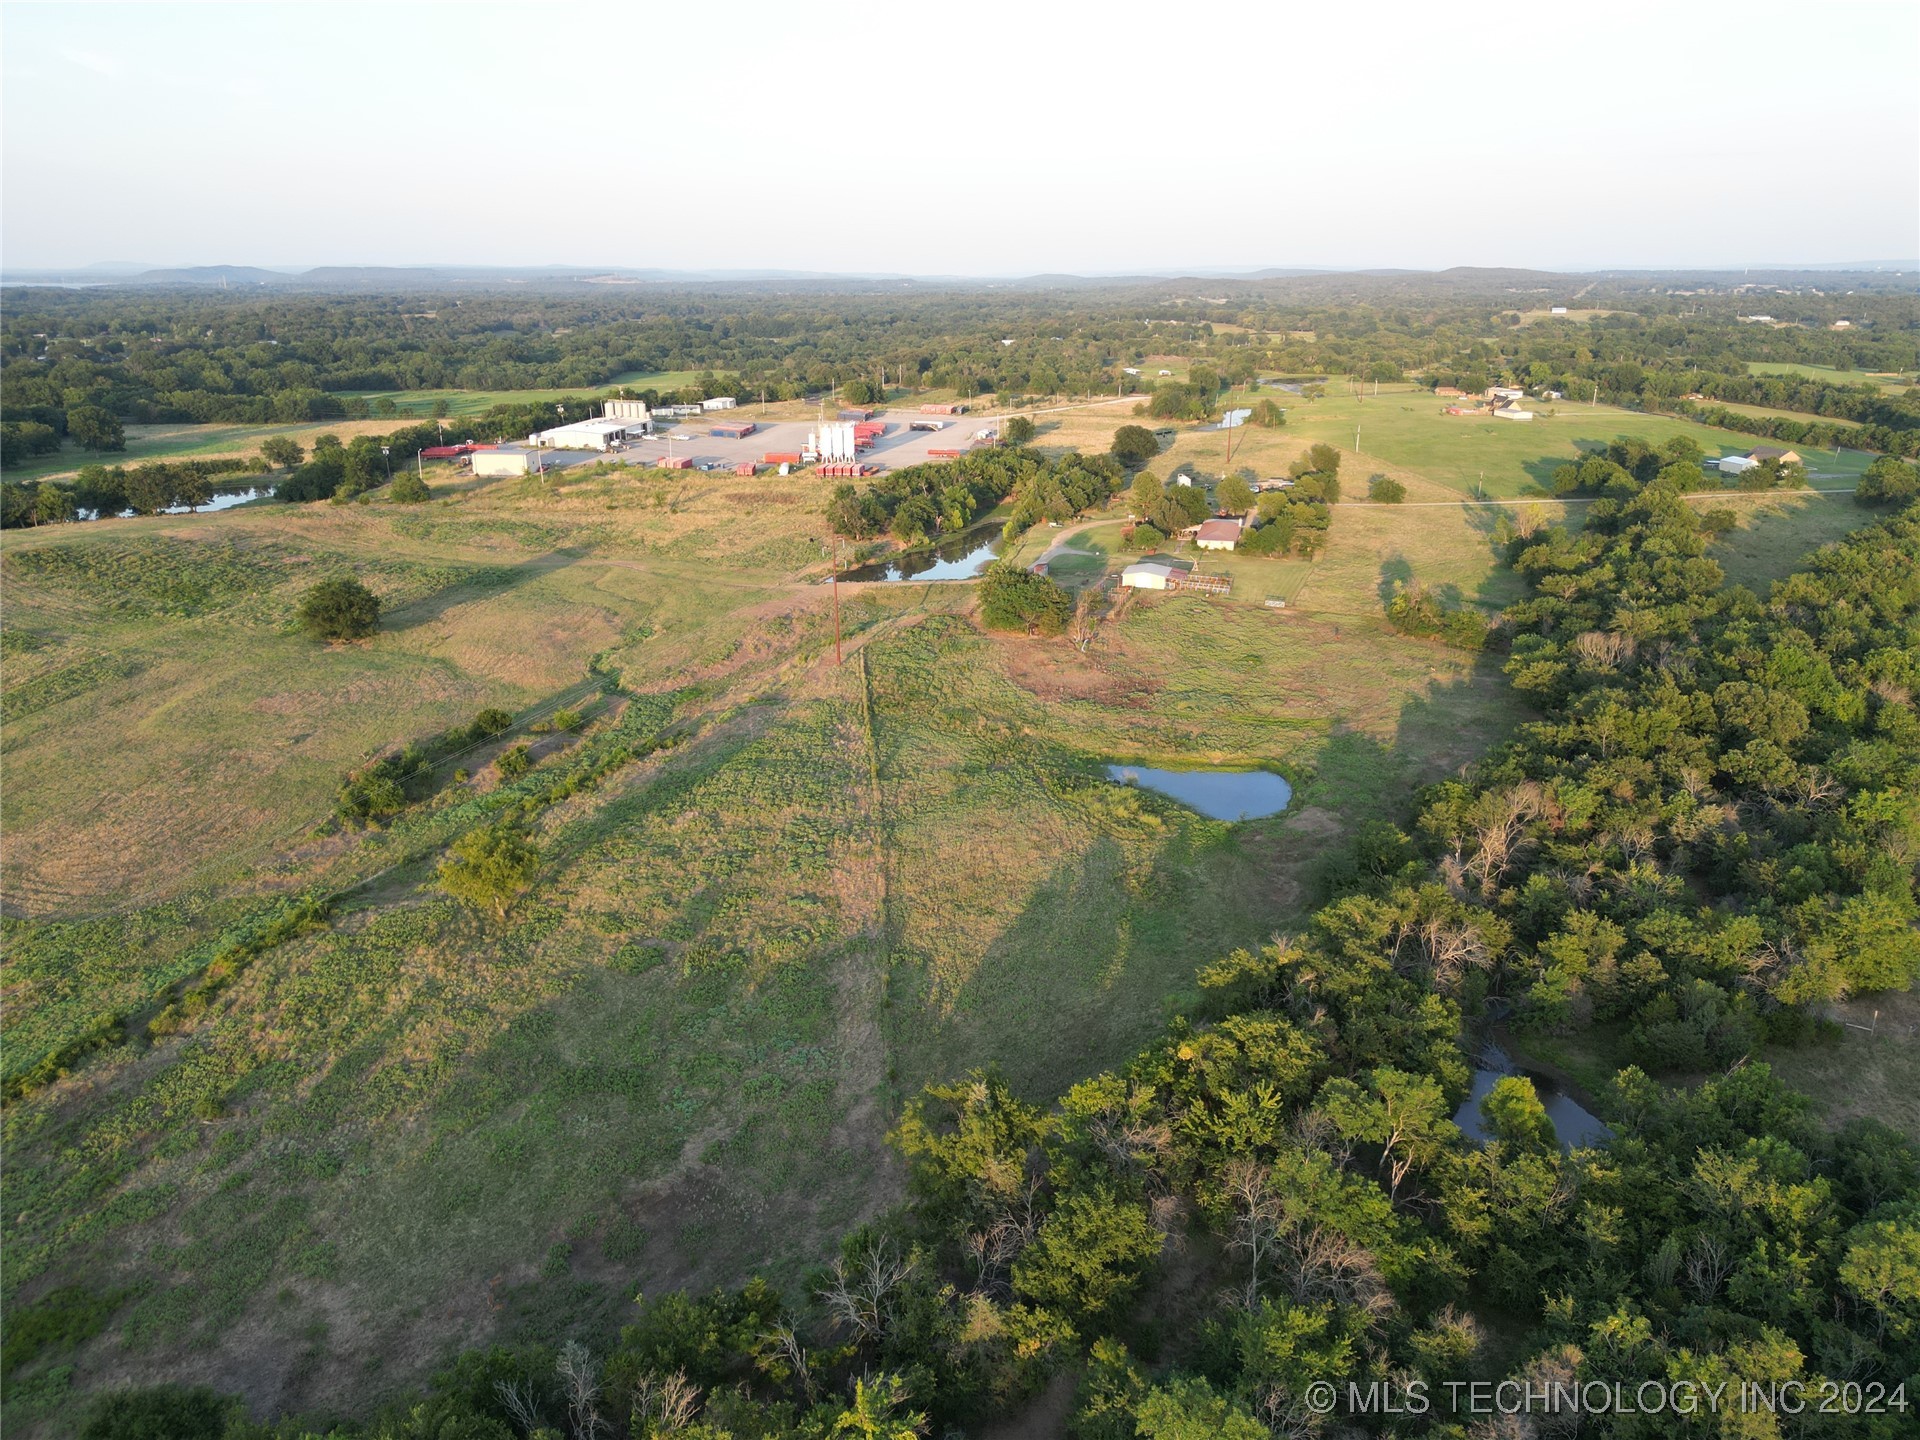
pixel 1712 826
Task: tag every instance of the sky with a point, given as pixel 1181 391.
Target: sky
pixel 969 139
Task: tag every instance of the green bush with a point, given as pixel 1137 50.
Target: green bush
pixel 488 723
pixel 1385 490
pixel 59 1320
pixel 164 1412
pixel 408 489
pixel 1015 599
pixel 514 763
pixel 488 869
pixel 339 609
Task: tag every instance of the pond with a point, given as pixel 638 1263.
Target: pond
pixel 225 500
pixel 1217 794
pixel 958 557
pixel 1572 1121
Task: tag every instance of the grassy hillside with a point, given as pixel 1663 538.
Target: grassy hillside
pixel 776 895
pixel 809 891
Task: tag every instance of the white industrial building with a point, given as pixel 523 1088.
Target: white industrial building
pixel 719 402
pixel 1150 574
pixel 589 434
pixel 834 440
pixel 625 410
pixel 1735 464
pixel 504 462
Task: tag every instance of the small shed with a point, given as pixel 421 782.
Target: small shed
pixel 1735 464
pixel 1510 412
pixel 718 402
pixel 1773 452
pixel 504 462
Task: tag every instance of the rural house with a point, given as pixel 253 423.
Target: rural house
pixel 1217 534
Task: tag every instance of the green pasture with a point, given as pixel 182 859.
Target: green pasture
pixel 419 404
pixel 1830 374
pixel 1501 459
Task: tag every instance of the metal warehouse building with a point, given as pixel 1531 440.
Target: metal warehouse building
pixel 588 434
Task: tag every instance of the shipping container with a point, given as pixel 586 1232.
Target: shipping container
pixel 945 454
pixel 856 413
pixel 781 457
pixel 746 467
pixel 682 463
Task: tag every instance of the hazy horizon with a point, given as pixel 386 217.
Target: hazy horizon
pixel 996 142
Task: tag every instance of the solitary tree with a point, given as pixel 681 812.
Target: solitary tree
pixel 281 453
pixel 408 489
pixel 95 428
pixel 339 609
pixel 1134 445
pixel 1019 430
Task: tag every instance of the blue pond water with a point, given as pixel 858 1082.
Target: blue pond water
pixel 1217 794
pixel 1572 1121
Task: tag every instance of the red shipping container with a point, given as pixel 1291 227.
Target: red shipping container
pixel 683 463
pixel 746 467
pixel 781 457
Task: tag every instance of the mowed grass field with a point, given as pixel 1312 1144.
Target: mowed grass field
pixel 419 404
pixel 188 442
pixel 1886 380
pixel 794 893
pixel 1404 432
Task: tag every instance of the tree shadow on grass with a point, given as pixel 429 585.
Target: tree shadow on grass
pixel 1395 573
pixel 492 580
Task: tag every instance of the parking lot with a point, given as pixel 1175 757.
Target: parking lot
pixel 689 440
